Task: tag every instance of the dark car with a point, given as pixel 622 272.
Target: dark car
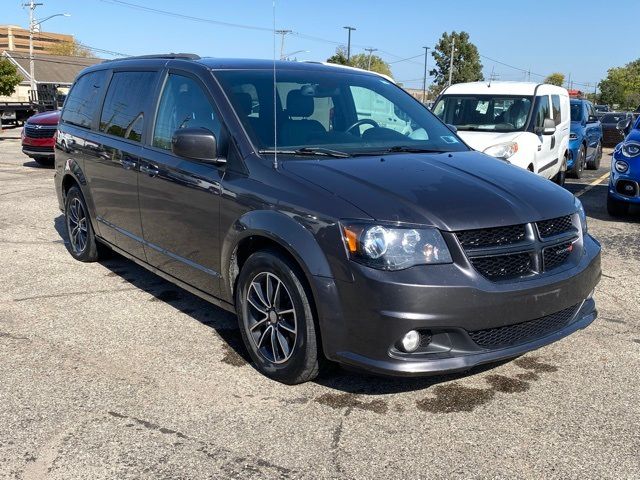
pixel 38 137
pixel 601 110
pixel 396 249
pixel 611 134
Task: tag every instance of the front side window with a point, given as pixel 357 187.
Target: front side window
pixel 350 112
pixel 542 111
pixel 183 104
pixel 484 112
pixel 82 102
pixel 555 104
pixel 123 110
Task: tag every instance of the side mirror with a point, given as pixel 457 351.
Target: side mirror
pixel 623 124
pixel 548 127
pixel 197 144
pixel 453 128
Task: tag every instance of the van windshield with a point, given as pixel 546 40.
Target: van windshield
pixel 484 112
pixel 352 113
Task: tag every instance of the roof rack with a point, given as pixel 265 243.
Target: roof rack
pixel 161 56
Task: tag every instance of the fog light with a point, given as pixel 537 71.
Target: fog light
pixel 411 341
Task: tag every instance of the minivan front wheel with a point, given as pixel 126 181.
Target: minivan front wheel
pixel 81 239
pixel 276 318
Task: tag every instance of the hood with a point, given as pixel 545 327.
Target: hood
pixel 45 118
pixel 480 141
pixel 452 191
pixel 634 136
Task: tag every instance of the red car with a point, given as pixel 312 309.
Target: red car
pixel 38 136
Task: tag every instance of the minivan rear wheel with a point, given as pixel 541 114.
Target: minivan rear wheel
pixel 81 238
pixel 276 319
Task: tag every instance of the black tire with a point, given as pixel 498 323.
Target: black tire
pixel 299 362
pixel 561 176
pixel 595 163
pixel 578 164
pixel 44 161
pixel 75 210
pixel 616 208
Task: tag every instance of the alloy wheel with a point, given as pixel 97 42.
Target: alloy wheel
pixel 77 226
pixel 271 318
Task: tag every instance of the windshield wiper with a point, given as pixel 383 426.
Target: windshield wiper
pixel 407 149
pixel 323 152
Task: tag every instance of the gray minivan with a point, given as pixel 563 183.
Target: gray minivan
pixel 399 251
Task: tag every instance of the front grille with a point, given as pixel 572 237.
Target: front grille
pixel 39 132
pixel 628 188
pixel 35 149
pixel 555 226
pixel 490 237
pixel 504 267
pixel 556 255
pixel 510 335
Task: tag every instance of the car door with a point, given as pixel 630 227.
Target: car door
pixel 179 197
pixel 112 158
pixel 593 130
pixel 545 157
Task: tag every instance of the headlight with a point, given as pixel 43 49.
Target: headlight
pixel 630 149
pixel 621 166
pixel 393 248
pixel 582 215
pixel 502 150
pixel 573 136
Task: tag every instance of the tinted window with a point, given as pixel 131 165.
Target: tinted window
pixel 542 111
pixel 123 110
pixel 576 112
pixel 183 104
pixel 82 102
pixel 555 105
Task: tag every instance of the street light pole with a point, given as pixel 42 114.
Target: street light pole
pixel 349 42
pixel 370 50
pixel 453 49
pixel 424 79
pixel 283 33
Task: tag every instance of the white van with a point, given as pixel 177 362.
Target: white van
pixel 526 124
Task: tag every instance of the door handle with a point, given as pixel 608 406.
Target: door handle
pixel 128 163
pixel 149 169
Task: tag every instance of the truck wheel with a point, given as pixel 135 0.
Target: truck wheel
pixel 616 208
pixel 44 161
pixel 578 164
pixel 276 319
pixel 595 163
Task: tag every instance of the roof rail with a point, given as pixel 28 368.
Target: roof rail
pixel 161 56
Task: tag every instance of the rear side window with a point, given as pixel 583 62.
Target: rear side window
pixel 123 110
pixel 82 102
pixel 542 111
pixel 557 111
pixel 183 104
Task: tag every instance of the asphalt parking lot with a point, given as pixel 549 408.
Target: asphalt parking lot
pixel 108 371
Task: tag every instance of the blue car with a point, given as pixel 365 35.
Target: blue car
pixel 624 181
pixel 585 139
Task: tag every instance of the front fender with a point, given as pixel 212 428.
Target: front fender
pixel 285 230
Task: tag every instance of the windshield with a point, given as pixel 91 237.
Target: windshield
pixel 484 112
pixel 332 110
pixel 601 108
pixel 576 112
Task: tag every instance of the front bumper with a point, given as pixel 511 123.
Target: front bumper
pixel 362 321
pixel 38 147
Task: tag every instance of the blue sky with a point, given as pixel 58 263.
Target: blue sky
pixel 573 37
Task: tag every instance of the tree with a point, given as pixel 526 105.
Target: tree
pixel 622 86
pixel 9 78
pixel 466 60
pixel 361 60
pixel 70 49
pixel 555 79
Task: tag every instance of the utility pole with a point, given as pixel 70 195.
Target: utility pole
pixel 424 78
pixel 284 33
pixel 453 49
pixel 349 42
pixel 370 50
pixel 32 25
